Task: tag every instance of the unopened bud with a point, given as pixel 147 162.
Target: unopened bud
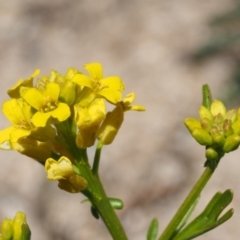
pixel 217 137
pixel 202 137
pixel 218 118
pixel 227 128
pixel 68 92
pixel 218 107
pixel 211 154
pixel 18 220
pixel 232 142
pixel 206 124
pixel 191 124
pixel 7 229
pixel 205 113
pixel 236 127
pixel 231 115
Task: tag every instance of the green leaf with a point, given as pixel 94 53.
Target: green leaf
pixel 153 230
pixel 209 218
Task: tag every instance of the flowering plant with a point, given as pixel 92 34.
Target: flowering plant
pixel 56 118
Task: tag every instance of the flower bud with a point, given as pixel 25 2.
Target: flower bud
pixel 227 128
pixel 211 154
pixel 236 127
pixel 202 137
pixel 18 220
pixel 231 115
pixel 191 124
pixel 205 113
pixel 68 92
pixel 206 124
pixel 218 107
pixel 217 137
pixel 7 229
pixel 218 119
pixel 232 142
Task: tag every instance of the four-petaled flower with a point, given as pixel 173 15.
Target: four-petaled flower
pixel 46 103
pixel 62 171
pixel 110 87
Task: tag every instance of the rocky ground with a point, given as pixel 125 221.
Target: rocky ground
pixel 153 162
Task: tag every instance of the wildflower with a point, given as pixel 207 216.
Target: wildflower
pixel 19 114
pixel 62 171
pixel 110 88
pixel 47 105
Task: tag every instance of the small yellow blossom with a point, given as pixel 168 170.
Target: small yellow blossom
pixel 62 171
pixel 46 103
pixel 110 88
pixel 19 114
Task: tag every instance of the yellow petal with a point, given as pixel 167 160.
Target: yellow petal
pixel 14 91
pixel 40 118
pixel 13 112
pixel 95 70
pixel 113 82
pixel 52 90
pixel 83 80
pixel 62 112
pixel 5 134
pixel 34 97
pixel 19 133
pixel 112 96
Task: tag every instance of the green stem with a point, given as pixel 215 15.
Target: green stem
pixel 188 202
pixel 100 201
pixel 97 158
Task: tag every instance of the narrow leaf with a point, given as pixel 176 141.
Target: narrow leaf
pixel 153 230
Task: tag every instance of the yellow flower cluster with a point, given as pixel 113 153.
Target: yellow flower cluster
pixel 218 129
pixel 57 115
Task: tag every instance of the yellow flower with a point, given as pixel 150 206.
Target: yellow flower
pixel 88 120
pixel 62 171
pixel 14 92
pixel 113 121
pixel 47 105
pixel 110 88
pixel 19 114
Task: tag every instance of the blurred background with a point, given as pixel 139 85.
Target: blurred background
pixel 164 51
